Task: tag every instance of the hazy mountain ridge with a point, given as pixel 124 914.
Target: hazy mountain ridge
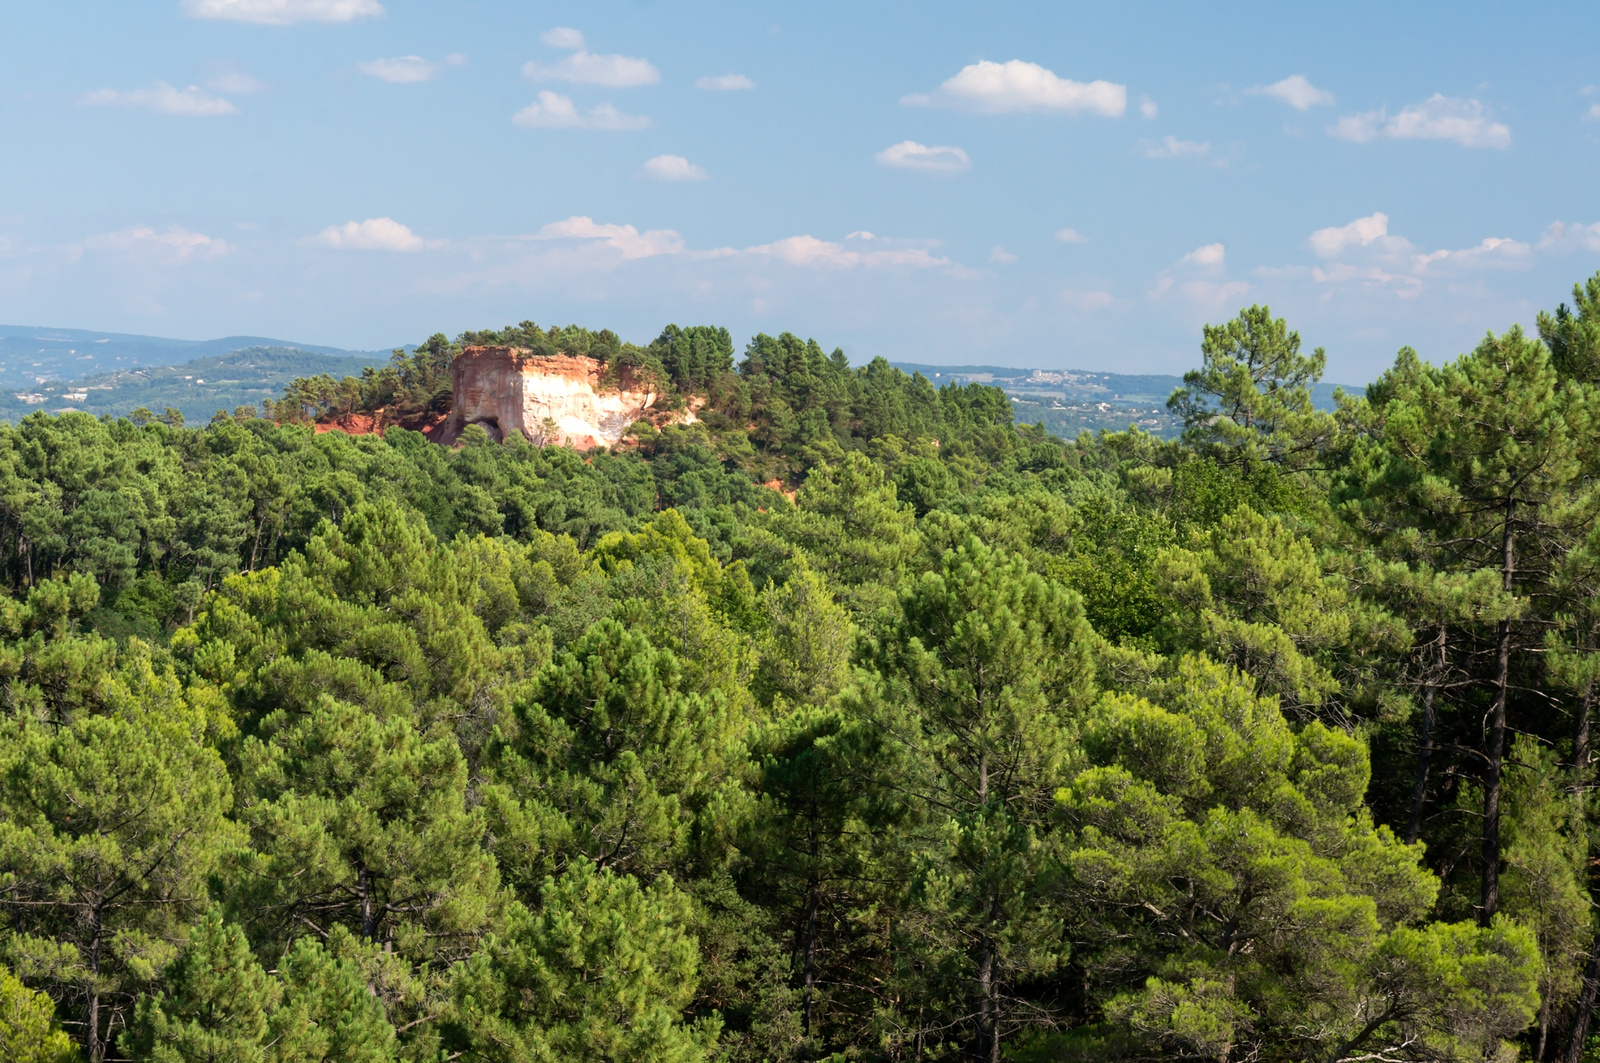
pixel 114 373
pixel 1068 401
pixel 197 387
pixel 32 355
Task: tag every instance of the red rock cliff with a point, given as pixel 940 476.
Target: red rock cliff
pixel 557 399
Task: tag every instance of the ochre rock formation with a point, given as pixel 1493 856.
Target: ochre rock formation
pixel 551 399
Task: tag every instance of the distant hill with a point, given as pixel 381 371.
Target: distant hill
pixel 1070 401
pixel 198 387
pixel 114 373
pixel 31 355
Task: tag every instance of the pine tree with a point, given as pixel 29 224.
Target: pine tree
pixel 602 971
pixel 984 672
pixel 329 1013
pixel 108 829
pixel 1236 900
pixel 28 1030
pixel 1478 466
pixel 216 1008
pixel 1250 402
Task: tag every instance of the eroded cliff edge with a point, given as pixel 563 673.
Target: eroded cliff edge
pixel 560 400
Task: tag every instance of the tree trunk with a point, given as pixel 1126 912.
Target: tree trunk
pixel 1496 746
pixel 1580 740
pixel 1585 1009
pixel 1419 790
pixel 988 1017
pixel 364 888
pixel 91 1038
pixel 812 889
pixel 1494 754
pixel 255 547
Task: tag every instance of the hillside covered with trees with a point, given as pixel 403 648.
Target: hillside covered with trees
pixel 853 722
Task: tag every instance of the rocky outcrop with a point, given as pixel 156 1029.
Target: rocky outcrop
pixel 558 400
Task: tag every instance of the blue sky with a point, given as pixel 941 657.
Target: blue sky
pixel 1053 185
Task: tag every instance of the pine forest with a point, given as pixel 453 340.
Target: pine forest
pixel 849 721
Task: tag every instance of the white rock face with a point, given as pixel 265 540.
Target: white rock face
pixel 552 400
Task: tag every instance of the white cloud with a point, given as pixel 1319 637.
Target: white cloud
pixel 1170 147
pixel 825 254
pixel 1001 255
pixel 1365 254
pixel 178 243
pixel 237 82
pixel 1360 233
pixel 402 70
pixel 1147 107
pixel 1593 113
pixel 673 168
pixel 996 88
pixel 1296 91
pixel 164 99
pixel 624 238
pixel 374 234
pixel 283 12
pixel 1495 252
pixel 1566 236
pixel 1071 236
pixel 1200 278
pixel 562 37
pixel 724 83
pixel 909 155
pixel 585 68
pixel 554 111
pixel 1209 255
pixel 1403 284
pixel 1437 118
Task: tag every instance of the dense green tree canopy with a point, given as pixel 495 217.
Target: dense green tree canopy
pixel 850 720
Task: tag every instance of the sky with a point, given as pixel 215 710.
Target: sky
pixel 1051 185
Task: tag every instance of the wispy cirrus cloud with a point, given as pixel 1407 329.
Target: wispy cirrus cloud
pixel 1170 147
pixel 998 88
pixel 562 37
pixel 554 111
pixel 162 98
pixel 1565 236
pixel 1464 121
pixel 859 249
pixel 175 243
pixel 673 168
pixel 374 234
pixel 1493 252
pixel 623 238
pixel 725 83
pixel 407 69
pixel 583 67
pixel 909 155
pixel 1296 91
pixel 283 12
